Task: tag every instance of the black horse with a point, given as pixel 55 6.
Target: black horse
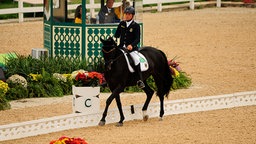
pixel 118 76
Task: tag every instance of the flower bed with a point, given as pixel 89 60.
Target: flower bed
pixel 23 82
pixel 181 79
pixel 67 140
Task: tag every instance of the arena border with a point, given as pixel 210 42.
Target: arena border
pixel 133 112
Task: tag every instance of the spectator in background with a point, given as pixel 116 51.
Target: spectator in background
pixel 107 14
pixel 78 14
pixel 119 11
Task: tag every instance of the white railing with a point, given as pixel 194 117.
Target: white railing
pixel 21 10
pixel 73 121
pixel 160 2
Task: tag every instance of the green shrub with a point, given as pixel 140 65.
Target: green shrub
pixel 16 91
pixel 45 86
pixel 66 86
pixel 27 65
pixel 181 81
pixel 4 103
pixel 23 66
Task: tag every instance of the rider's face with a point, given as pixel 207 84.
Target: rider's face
pixel 128 16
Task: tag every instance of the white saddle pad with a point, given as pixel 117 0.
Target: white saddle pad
pixel 137 58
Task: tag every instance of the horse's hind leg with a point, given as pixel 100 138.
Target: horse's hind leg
pixel 149 92
pixel 161 98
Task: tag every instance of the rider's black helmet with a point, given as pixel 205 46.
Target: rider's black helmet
pixel 130 10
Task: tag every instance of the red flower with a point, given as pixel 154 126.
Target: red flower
pixel 96 75
pixel 173 63
pixel 81 76
pixel 88 79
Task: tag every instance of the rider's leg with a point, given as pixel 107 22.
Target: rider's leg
pixel 140 81
pixel 138 70
pixel 130 59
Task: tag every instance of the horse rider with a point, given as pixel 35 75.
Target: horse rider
pixel 129 33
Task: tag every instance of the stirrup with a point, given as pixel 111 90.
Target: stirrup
pixel 140 84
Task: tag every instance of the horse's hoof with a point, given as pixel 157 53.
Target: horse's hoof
pixel 161 119
pixel 145 118
pixel 119 124
pixel 102 123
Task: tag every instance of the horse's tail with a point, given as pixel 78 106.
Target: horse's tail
pixel 165 82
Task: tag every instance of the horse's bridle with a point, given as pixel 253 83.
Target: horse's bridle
pixel 111 61
pixel 109 51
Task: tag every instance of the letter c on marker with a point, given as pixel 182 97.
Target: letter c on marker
pixel 86 103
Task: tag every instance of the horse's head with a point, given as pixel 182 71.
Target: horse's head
pixel 110 52
pixel 108 45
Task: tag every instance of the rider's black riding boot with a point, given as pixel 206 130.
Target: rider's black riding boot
pixel 130 59
pixel 140 81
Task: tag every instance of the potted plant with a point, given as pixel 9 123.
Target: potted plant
pixel 86 90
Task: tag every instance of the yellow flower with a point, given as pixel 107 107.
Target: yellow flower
pixel 66 75
pixel 58 142
pixel 63 140
pixel 4 86
pixel 176 73
pixel 35 76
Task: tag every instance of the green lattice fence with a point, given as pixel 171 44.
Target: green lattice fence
pixel 77 41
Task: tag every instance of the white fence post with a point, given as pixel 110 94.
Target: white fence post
pixel 192 4
pixel 92 10
pixel 218 3
pixel 159 6
pixel 20 5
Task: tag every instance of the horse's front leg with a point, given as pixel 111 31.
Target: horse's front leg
pixel 108 102
pixel 119 106
pixel 115 94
